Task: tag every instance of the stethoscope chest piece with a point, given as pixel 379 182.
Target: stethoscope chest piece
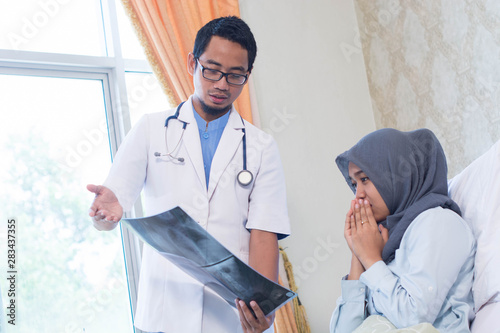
pixel 244 177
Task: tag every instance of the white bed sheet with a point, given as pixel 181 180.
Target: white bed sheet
pixel 487 320
pixel 477 191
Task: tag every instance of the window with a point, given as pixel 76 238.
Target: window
pixel 144 95
pixel 55 26
pixel 70 277
pixel 64 111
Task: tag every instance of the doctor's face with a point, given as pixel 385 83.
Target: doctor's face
pixel 212 98
pixel 366 190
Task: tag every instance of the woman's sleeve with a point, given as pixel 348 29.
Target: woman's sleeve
pixel 350 310
pixel 432 253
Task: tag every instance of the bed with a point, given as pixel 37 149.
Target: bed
pixel 477 191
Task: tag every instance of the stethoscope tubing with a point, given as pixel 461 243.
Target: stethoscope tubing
pixel 244 177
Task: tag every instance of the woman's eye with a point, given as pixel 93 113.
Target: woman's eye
pixel 365 179
pixel 354 185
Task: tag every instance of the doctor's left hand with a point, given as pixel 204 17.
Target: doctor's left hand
pixel 250 323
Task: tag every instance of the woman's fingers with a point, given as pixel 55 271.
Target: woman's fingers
pixel 357 215
pixel 384 232
pixel 350 224
pixel 348 228
pixel 354 227
pixel 367 208
pixel 348 220
pixel 362 212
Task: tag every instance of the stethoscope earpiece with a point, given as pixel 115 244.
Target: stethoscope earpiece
pixel 244 177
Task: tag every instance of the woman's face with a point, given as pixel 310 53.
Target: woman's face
pixel 366 190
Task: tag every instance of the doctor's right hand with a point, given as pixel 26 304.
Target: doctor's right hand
pixel 251 323
pixel 105 210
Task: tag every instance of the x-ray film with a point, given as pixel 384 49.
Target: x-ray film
pixel 178 238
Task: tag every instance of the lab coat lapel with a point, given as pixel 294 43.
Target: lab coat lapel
pixel 192 141
pixel 227 148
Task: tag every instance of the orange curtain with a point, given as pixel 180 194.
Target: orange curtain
pixel 284 320
pixel 292 317
pixel 167 29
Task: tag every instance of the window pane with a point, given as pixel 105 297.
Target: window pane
pixel 145 95
pixel 56 26
pixel 53 141
pixel 131 48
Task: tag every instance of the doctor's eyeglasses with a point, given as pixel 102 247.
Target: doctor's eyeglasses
pixel 216 75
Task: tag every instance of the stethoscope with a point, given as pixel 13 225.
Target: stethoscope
pixel 244 177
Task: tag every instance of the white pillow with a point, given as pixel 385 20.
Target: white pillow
pixel 477 191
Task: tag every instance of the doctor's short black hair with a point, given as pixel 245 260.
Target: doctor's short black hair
pixel 231 28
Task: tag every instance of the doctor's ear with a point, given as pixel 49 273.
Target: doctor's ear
pixel 191 63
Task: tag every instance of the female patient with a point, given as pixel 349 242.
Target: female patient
pixel 412 253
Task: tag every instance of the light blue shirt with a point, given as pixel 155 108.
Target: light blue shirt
pixel 210 134
pixel 430 279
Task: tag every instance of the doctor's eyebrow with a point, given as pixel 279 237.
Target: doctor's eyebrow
pixel 236 68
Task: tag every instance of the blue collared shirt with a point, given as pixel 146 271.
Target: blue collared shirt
pixel 210 134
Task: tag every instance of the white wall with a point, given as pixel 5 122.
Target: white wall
pixel 312 94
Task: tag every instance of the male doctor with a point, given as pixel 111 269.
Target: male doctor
pixel 194 163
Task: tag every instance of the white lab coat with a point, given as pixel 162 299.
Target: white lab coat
pixel 169 300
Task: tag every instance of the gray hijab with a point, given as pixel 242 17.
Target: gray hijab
pixel 409 171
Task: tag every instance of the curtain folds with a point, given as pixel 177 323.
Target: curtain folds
pixel 167 29
pixel 284 321
pixel 293 313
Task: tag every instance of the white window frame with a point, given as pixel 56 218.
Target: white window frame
pixel 111 72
